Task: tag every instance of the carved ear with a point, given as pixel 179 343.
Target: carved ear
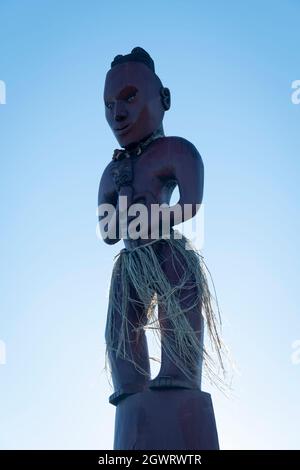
pixel 165 98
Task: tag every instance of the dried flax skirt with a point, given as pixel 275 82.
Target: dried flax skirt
pixel 141 268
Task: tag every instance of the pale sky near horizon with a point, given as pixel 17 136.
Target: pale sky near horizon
pixel 230 67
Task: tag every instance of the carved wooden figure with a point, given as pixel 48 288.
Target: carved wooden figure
pixel 158 279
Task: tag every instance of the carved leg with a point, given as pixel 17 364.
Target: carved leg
pixel 170 375
pixel 130 366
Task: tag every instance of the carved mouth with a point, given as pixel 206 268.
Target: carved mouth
pixel 123 129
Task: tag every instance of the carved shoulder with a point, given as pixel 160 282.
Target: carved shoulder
pixel 182 154
pixel 188 169
pixel 181 145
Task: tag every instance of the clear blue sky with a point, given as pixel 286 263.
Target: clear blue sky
pixel 229 66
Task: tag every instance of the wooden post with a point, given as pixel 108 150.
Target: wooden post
pixel 166 419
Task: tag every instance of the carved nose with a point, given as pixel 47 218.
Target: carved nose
pixel 120 113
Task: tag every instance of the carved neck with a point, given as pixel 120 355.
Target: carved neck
pixel 146 140
pixel 136 149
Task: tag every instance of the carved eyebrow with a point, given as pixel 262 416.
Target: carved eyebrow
pixel 124 93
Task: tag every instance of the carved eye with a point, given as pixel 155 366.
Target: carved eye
pixel 131 97
pixel 108 105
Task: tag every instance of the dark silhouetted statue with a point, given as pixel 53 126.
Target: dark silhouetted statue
pixel 158 279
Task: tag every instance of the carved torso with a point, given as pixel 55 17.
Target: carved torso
pixel 167 161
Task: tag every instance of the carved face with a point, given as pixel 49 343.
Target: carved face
pixel 133 107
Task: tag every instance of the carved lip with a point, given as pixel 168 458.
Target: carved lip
pixel 123 129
